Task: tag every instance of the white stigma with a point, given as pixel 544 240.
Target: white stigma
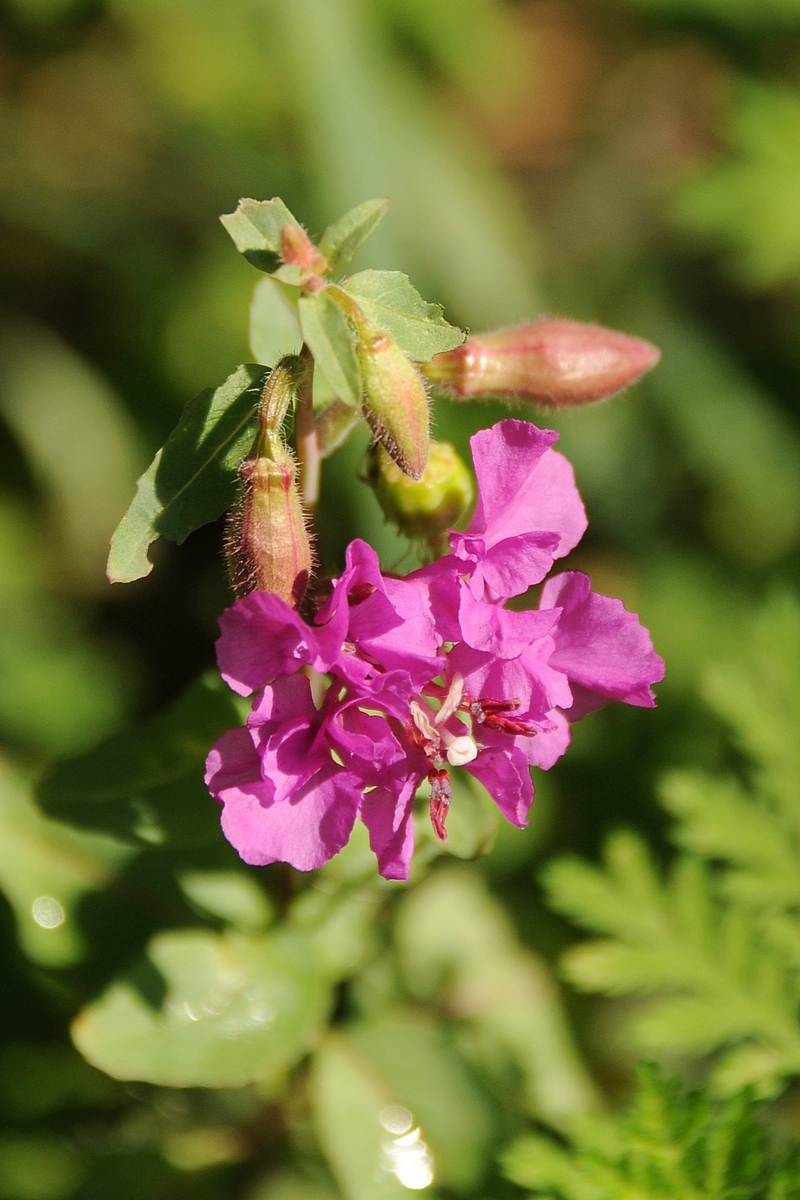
pixel 461 750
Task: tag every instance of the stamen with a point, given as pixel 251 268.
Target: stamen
pixel 493 714
pixel 452 700
pixel 422 719
pixel 441 792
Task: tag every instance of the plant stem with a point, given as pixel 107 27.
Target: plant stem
pixel 305 436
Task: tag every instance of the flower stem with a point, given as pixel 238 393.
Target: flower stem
pixel 306 443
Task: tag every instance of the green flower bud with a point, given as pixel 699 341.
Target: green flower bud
pixel 426 507
pixel 266 539
pixel 395 399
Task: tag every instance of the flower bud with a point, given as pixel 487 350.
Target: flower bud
pixel 554 362
pixel 425 507
pixel 297 248
pixel 266 540
pixel 395 399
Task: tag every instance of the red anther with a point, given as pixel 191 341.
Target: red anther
pixel 441 792
pixel 493 714
pixel 359 593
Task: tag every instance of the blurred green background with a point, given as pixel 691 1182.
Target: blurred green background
pixel 634 162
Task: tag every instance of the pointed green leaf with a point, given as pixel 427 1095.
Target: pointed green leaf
pixel 255 227
pixel 390 300
pixel 191 480
pixel 231 1010
pixel 344 237
pixel 274 324
pixel 329 338
pixel 145 785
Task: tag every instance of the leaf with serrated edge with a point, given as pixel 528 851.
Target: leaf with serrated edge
pixel 237 1009
pixel 341 240
pixel 255 227
pixel 145 785
pixel 328 336
pixel 390 300
pixel 274 325
pixel 191 480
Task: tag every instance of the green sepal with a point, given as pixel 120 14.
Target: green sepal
pixel 328 335
pixel 344 238
pixel 145 785
pixel 192 478
pixel 255 227
pixel 390 301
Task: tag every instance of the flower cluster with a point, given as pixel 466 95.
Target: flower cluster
pixel 397 680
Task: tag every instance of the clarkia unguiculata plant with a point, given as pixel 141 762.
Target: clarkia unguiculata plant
pixel 363 695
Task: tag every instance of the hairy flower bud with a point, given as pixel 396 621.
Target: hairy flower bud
pixel 266 540
pixel 425 507
pixel 554 362
pixel 395 399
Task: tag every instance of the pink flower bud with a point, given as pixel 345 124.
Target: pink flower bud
pixel 394 397
pixel 266 539
pixel 297 248
pixel 554 362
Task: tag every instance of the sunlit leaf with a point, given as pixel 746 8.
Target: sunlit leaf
pixel 234 1010
pixel 348 1097
pixel 390 300
pixel 233 896
pixel 191 480
pixel 274 324
pixel 424 1073
pixel 146 785
pixel 255 227
pixel 342 240
pixel 330 339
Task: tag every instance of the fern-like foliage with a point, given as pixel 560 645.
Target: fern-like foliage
pixel 717 943
pixel 671 1143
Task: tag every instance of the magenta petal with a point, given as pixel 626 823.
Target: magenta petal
pixel 500 631
pixel 546 748
pixel 233 763
pixel 261 638
pixel 503 771
pixel 304 831
pixel 510 567
pixel 524 486
pixel 603 649
pixel 389 819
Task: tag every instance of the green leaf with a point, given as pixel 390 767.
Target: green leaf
pixel 45 870
pixel 233 896
pixel 328 336
pixel 347 1100
pixel 390 300
pixel 235 1010
pixel 191 480
pixel 274 324
pixel 145 785
pixel 255 227
pixel 342 240
pixel 424 1073
pixel 452 934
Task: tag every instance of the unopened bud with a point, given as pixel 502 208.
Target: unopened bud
pixel 553 362
pixel 266 540
pixel 298 249
pixel 425 507
pixel 395 399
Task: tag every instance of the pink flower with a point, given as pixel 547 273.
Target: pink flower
pixel 424 674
